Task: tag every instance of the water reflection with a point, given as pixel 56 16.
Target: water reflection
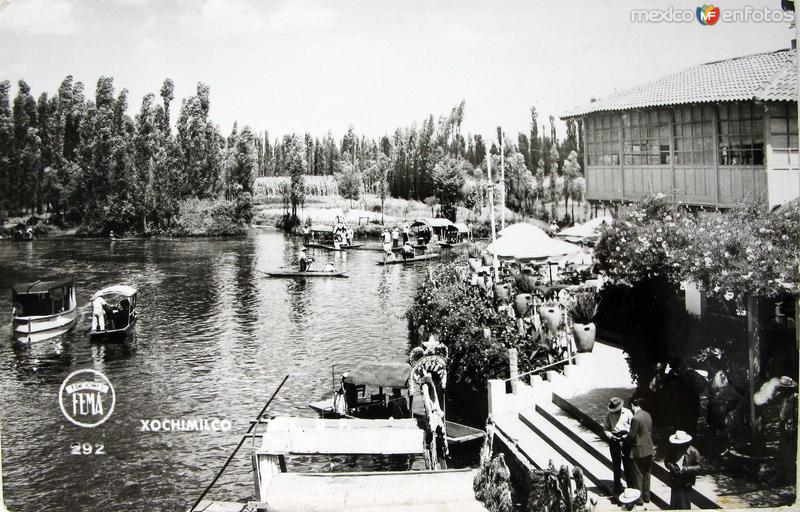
pixel 214 337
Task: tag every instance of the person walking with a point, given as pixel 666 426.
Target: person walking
pixel 683 464
pixel 640 440
pixel 616 428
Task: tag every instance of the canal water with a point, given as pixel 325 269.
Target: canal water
pixel 215 337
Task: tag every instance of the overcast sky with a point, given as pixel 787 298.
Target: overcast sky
pixel 319 65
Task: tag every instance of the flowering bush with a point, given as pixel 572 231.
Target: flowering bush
pixel 643 243
pixel 745 251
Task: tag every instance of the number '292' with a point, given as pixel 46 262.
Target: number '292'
pixel 87 449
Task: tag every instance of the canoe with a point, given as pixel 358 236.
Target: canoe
pixel 424 257
pixel 314 245
pixel 297 273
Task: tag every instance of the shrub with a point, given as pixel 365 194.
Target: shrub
pixel 209 217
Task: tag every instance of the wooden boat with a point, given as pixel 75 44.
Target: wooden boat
pixel 342 247
pixel 361 395
pixel 422 257
pixel 121 316
pixel 43 309
pixel 307 273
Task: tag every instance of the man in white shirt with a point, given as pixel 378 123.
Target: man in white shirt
pixel 616 427
pixel 98 314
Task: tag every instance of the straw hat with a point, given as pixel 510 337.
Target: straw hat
pixel 615 404
pixel 680 437
pixel 629 495
pixel 787 382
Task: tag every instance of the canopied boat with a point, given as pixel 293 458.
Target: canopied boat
pixel 431 228
pixel 380 390
pixel 120 315
pixel 43 309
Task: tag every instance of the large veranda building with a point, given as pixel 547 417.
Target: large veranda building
pixel 710 135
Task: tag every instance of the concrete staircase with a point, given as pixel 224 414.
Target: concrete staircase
pixel 543 426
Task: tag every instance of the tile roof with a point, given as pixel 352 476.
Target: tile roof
pixel 765 76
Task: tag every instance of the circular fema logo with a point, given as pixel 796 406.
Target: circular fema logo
pixel 87 398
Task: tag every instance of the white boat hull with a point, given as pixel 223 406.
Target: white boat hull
pixel 31 329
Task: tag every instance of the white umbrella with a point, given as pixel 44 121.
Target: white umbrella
pixel 535 245
pixel 588 230
pixel 522 229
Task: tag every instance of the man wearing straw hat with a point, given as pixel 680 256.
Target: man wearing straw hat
pixel 683 465
pixel 629 497
pixel 616 428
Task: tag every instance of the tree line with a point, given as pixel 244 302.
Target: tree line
pixel 89 163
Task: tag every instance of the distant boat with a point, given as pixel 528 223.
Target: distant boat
pixel 342 247
pixel 121 318
pixel 43 309
pixel 307 273
pixel 422 257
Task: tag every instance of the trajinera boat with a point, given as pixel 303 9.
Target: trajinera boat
pixel 43 309
pixel 362 392
pixel 120 316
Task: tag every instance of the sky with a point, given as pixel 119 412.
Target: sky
pixel 323 65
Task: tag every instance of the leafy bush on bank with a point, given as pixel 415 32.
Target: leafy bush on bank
pixel 213 217
pixel 457 314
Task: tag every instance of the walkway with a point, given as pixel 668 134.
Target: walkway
pixel 558 419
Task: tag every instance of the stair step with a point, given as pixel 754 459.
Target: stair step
pixel 594 462
pixel 585 436
pixel 538 451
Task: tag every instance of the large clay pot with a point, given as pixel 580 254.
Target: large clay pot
pixel 474 263
pixel 551 316
pixel 522 304
pixel 584 336
pixel 502 292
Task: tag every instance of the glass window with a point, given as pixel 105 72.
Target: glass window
pixel 741 139
pixel 604 148
pixel 646 137
pixel 693 133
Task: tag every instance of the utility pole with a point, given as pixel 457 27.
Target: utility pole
pixel 491 210
pixel 502 182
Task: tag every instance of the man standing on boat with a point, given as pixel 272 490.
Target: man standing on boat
pixel 99 314
pixel 303 259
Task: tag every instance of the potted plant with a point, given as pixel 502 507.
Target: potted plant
pixel 502 292
pixel 474 257
pixel 550 313
pixel 523 300
pixel 582 312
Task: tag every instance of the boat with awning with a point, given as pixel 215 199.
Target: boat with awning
pixel 121 312
pixel 43 309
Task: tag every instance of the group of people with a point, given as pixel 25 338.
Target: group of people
pixel 630 438
pixel 398 237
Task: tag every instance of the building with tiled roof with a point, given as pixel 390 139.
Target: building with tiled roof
pixel 713 134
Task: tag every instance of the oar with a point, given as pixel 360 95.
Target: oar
pixel 241 441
